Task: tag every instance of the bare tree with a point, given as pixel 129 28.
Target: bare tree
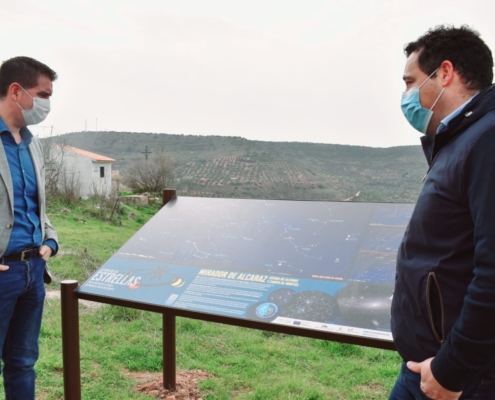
pixel 61 180
pixel 151 175
pixel 100 198
pixel 53 166
pixel 69 184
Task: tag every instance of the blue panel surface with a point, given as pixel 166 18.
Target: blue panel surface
pixel 321 265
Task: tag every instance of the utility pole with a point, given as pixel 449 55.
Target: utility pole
pixel 146 152
pixel 118 202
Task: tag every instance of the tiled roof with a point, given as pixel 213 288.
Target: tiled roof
pixel 93 156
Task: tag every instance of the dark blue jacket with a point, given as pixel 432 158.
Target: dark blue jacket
pixel 444 299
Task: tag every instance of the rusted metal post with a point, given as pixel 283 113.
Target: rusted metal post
pixel 167 195
pixel 70 340
pixel 169 356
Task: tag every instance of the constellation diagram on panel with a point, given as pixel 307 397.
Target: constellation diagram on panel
pixel 306 239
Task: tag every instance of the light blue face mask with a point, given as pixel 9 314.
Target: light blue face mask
pixel 418 116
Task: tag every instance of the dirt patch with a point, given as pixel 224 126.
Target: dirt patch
pixel 90 305
pixel 372 388
pixel 151 384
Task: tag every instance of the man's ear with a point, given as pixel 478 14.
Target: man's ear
pixel 446 73
pixel 14 91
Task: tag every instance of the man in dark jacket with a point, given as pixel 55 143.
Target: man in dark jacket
pixel 443 309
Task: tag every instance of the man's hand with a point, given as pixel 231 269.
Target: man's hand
pixel 45 252
pixel 429 384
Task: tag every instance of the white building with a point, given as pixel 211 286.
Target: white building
pixel 86 172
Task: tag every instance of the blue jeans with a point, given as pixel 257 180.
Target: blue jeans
pixel 22 295
pixel 408 382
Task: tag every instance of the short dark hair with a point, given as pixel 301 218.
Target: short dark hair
pixel 23 70
pixel 463 47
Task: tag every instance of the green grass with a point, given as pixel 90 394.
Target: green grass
pixel 244 364
pixel 87 242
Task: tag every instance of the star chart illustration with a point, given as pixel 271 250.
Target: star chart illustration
pixel 310 264
pixel 319 240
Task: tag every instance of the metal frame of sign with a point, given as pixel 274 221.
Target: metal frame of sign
pixel 70 330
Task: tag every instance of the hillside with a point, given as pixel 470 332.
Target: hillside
pixel 235 167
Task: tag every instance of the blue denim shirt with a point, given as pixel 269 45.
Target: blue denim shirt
pixel 26 230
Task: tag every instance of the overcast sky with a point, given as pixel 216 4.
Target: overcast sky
pixel 326 71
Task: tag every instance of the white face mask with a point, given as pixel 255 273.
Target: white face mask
pixel 37 114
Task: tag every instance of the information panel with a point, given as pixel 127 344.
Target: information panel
pixel 311 264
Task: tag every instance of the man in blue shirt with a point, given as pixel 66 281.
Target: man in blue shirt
pixel 27 238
